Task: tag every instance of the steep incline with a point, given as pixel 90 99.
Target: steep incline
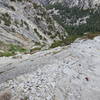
pixel 76 16
pixel 72 3
pixel 69 73
pixel 26 23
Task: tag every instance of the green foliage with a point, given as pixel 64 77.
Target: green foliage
pixel 27 27
pixel 12 8
pixel 10 49
pixel 50 27
pixel 56 44
pixel 53 36
pixel 40 36
pixel 6 54
pixel 6 18
pixel 70 39
pixel 66 41
pixel 37 43
pixel 73 14
pixel 15 48
pixel 36 6
pixel 33 50
pixel 22 22
pixel 49 20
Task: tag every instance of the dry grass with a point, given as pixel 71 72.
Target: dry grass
pixel 91 35
pixel 5 95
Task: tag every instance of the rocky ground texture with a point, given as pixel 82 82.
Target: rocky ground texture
pixel 64 73
pixel 25 23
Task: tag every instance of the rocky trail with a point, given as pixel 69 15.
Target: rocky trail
pixel 63 73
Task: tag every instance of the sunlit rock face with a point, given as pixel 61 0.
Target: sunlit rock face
pixel 27 23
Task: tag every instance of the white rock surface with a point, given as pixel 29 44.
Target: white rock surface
pixel 28 24
pixel 74 75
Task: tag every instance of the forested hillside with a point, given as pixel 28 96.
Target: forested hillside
pixel 76 20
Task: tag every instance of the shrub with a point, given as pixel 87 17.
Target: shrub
pixel 73 14
pixel 35 50
pixel 91 35
pixel 56 44
pixel 27 27
pixel 15 48
pixel 13 0
pixel 35 6
pixel 40 36
pixel 50 27
pixel 6 18
pixel 12 8
pixel 6 54
pixel 66 41
pixel 10 49
pixel 37 43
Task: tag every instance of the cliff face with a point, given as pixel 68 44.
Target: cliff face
pixel 27 23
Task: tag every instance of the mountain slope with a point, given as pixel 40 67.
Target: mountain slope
pixel 27 24
pixel 76 16
pixel 69 73
pixel 72 3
